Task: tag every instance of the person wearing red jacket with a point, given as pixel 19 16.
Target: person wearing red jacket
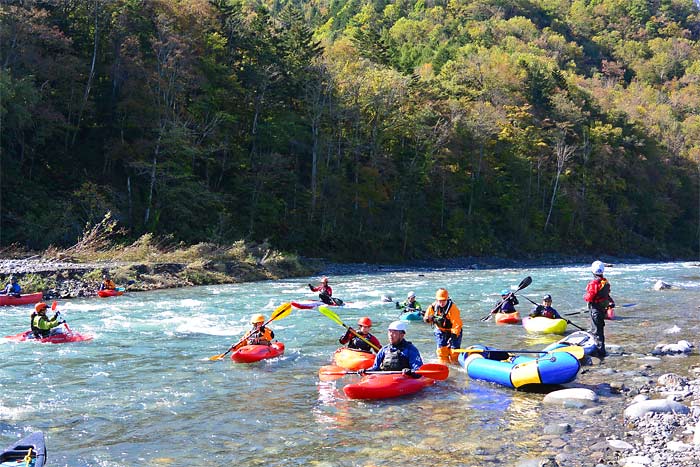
pixel 599 300
pixel 326 293
pixel 353 341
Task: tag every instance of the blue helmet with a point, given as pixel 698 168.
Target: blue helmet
pixel 505 292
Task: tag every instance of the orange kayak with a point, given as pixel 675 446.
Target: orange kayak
pixel 110 293
pixel 255 353
pixel 353 359
pixel 508 318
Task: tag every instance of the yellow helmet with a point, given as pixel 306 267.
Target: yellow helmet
pixel 257 319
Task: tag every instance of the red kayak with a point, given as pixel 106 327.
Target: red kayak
pixel 379 386
pixel 62 337
pixel 26 299
pixel 353 359
pixel 255 353
pixel 110 293
pixel 508 318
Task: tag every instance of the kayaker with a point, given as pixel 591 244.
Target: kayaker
pixel 445 315
pixel 508 302
pixel 599 300
pixel 326 292
pixel 399 354
pixel 40 324
pixel 259 335
pixel 353 342
pixel 107 283
pixel 546 310
pixel 410 304
pixel 12 288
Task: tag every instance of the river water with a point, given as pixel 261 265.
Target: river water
pixel 144 392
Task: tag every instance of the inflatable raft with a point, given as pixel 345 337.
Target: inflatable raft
pixel 26 299
pixel 379 386
pixel 353 359
pixel 513 371
pixel 542 325
pixel 29 451
pixel 255 353
pixel 507 318
pixel 59 336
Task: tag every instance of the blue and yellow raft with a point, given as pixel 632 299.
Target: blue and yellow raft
pixel 515 371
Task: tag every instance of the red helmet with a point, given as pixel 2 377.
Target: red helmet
pixel 41 306
pixel 364 321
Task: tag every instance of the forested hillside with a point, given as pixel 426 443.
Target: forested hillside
pixel 355 130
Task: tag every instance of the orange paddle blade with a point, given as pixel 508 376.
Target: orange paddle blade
pixel 436 371
pixel 332 372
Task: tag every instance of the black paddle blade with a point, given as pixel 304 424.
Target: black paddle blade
pixel 525 282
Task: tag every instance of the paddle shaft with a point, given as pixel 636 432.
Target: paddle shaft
pixel 567 320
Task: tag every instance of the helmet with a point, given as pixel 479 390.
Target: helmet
pixel 397 326
pixel 547 298
pixel 41 306
pixel 597 267
pixel 13 279
pixel 324 279
pixel 364 321
pixel 505 292
pixel 411 295
pixel 257 319
pixel 441 294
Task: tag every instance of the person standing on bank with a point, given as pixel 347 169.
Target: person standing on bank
pixel 598 298
pixel 445 315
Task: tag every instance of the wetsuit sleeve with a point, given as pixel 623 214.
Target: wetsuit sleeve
pixel 556 314
pixel 375 341
pixel 414 358
pixel 346 337
pixel 316 289
pixel 591 291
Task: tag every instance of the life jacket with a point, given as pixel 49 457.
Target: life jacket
pixel 440 315
pixel 548 312
pixel 359 344
pixel 394 359
pixel 598 292
pixel 38 333
pixel 261 336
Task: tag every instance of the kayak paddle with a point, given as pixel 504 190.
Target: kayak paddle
pixel 524 283
pixel 575 350
pixel 279 313
pixel 327 312
pixel 53 308
pixel 436 371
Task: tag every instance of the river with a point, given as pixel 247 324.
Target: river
pixel 144 391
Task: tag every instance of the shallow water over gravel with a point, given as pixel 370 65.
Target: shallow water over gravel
pixel 143 392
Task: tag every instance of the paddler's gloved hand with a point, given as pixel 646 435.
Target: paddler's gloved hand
pixel 361 372
pixel 409 372
pixel 311 287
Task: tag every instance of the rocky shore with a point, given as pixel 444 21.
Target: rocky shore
pixel 62 279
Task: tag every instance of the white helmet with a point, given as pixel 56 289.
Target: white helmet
pixel 397 326
pixel 597 267
pixel 411 295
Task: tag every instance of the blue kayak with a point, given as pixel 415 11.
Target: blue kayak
pixel 414 315
pixel 29 451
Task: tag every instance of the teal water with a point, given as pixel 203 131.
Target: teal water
pixel 143 392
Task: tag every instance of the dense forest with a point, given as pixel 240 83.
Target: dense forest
pixel 355 129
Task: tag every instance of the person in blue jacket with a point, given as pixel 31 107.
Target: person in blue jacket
pixel 12 288
pixel 508 302
pixel 545 309
pixel 399 354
